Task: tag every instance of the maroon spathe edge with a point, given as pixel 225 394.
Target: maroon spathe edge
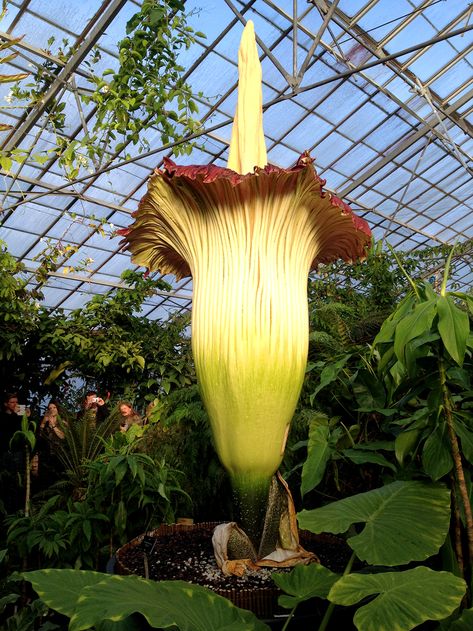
pixel 209 173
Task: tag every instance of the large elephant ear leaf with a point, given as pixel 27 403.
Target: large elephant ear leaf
pixel 168 604
pixel 60 589
pixel 404 599
pixel 404 521
pixel 304 582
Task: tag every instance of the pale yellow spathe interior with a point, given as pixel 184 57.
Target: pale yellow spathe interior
pixel 247 146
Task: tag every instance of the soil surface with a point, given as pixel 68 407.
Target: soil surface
pixel 187 555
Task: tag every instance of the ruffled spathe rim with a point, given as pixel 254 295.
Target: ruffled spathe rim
pixel 348 243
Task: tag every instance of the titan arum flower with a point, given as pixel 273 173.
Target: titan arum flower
pixel 248 235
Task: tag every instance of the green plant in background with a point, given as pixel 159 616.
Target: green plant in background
pixel 180 432
pixel 403 523
pixel 424 360
pixel 107 343
pixel 82 444
pixel 135 491
pixel 116 495
pixel 5 162
pixel 146 89
pixel 25 438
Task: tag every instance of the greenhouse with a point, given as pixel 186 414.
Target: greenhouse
pixel 236 341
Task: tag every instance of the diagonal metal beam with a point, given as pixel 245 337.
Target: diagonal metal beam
pixel 316 42
pixel 88 38
pixel 410 140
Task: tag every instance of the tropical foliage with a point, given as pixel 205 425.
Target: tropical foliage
pixel 383 428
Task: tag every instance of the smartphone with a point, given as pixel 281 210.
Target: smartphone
pixel 21 409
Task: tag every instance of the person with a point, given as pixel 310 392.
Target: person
pixel 10 420
pixel 51 434
pixel 94 407
pixel 128 416
pixel 12 455
pixel 52 425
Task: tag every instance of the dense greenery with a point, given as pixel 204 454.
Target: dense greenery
pixel 386 402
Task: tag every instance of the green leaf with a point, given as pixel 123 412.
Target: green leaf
pixel 405 599
pixel 5 161
pixel 360 456
pixel 387 331
pixel 329 374
pixel 413 325
pixel 464 622
pixel 304 582
pixel 405 444
pixel 466 439
pixel 59 589
pixel 405 521
pixel 319 452
pixel 436 457
pixel 165 604
pixel 454 328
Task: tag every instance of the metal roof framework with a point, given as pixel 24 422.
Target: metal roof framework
pixel 380 93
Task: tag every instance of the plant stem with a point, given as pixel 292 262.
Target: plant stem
pixel 457 460
pixel 457 528
pixel 331 607
pixel 289 618
pixel 27 481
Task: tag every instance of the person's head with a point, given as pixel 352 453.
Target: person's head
pixel 90 400
pixel 53 408
pixel 10 403
pixel 126 409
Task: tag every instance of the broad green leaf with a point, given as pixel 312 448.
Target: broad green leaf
pixel 436 457
pixel 405 521
pixel 132 623
pixel 304 582
pixel 454 327
pixel 387 331
pixel 466 439
pixel 167 604
pixel 329 374
pixel 405 599
pixel 415 324
pixel 59 589
pixel 360 456
pixel 406 443
pixel 319 452
pixel 369 392
pixel 459 376
pixel 377 445
pixel 464 622
pixel 416 349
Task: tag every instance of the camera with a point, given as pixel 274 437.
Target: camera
pixel 94 400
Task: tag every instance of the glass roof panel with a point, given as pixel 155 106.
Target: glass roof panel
pixel 394 139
